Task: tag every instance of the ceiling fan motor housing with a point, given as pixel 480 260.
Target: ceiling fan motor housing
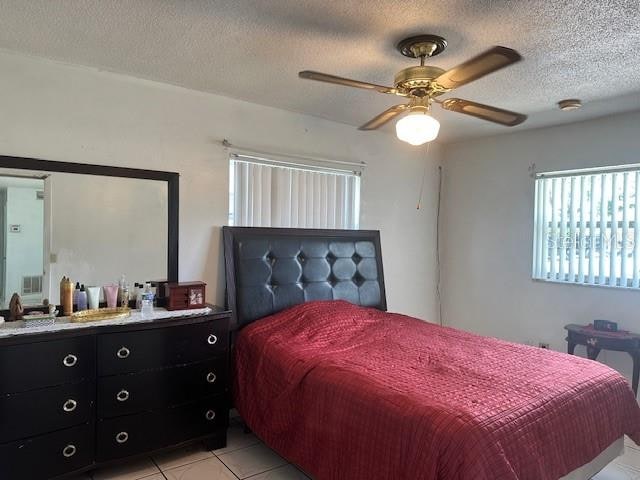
pixel 419 81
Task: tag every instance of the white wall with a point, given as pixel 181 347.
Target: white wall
pixel 487 231
pixel 60 112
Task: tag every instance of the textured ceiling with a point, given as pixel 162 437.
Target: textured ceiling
pixel 253 50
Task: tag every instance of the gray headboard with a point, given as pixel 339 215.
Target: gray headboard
pixel 270 269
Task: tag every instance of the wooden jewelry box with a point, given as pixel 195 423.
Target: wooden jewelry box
pixel 184 295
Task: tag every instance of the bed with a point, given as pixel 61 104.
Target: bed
pixel 345 390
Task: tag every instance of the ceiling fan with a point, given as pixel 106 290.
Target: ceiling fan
pixel 423 84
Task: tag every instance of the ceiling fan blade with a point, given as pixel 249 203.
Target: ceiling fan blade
pixel 384 117
pixel 488 62
pixel 485 112
pixel 325 77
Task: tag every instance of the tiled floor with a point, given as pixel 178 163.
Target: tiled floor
pixel 246 457
pixel 626 467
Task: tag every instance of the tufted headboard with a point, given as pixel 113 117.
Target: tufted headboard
pixel 270 269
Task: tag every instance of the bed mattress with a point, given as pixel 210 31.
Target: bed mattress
pixel 354 393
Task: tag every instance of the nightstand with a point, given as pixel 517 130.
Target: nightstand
pixel 596 340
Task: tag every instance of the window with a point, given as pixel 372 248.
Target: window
pixel 267 193
pixel 586 227
pixel 32 285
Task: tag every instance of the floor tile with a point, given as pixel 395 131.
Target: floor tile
pixel 182 456
pixel 631 458
pixel 630 443
pixel 252 460
pixel 127 471
pixel 615 471
pixel 237 439
pixel 209 469
pixel 288 472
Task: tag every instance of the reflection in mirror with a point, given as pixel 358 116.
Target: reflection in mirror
pixel 22 239
pixel 93 229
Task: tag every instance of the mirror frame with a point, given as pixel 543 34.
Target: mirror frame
pixel 173 191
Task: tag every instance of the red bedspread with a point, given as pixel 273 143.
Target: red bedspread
pixel 353 393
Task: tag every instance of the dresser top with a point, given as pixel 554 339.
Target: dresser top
pixel 12 329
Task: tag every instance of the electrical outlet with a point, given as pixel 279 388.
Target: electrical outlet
pixel 543 345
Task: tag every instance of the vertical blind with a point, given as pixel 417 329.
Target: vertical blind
pixel 266 194
pixel 586 227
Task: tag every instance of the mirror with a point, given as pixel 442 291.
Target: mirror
pixel 91 228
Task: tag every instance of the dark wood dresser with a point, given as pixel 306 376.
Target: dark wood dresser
pixel 75 399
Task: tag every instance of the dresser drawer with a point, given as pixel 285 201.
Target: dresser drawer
pixel 40 411
pixel 123 436
pixel 48 455
pixel 44 364
pixel 151 390
pixel 161 347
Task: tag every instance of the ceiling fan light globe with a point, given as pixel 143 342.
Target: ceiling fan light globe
pixel 417 128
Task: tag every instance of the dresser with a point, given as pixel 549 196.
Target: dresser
pixel 77 398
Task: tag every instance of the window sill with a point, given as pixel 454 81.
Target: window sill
pixel 592 285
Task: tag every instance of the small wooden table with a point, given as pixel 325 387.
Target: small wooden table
pixel 596 340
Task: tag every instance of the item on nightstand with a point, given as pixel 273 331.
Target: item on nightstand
pixel 82 299
pixel 16 309
pixel 605 325
pixel 39 319
pixel 49 306
pixel 75 293
pixel 66 292
pixel 185 295
pixel 137 292
pixel 146 301
pixel 123 292
pixel 100 314
pixel 62 282
pixel 124 295
pixel 93 293
pixel 111 295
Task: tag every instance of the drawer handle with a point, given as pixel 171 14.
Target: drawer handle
pixel 210 415
pixel 69 450
pixel 122 396
pixel 211 377
pixel 70 405
pixel 123 352
pixel 212 339
pixel 122 437
pixel 70 360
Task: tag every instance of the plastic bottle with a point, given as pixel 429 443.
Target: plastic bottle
pixel 82 299
pixel 75 293
pixel 146 301
pixel 121 284
pixel 137 291
pixel 124 296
